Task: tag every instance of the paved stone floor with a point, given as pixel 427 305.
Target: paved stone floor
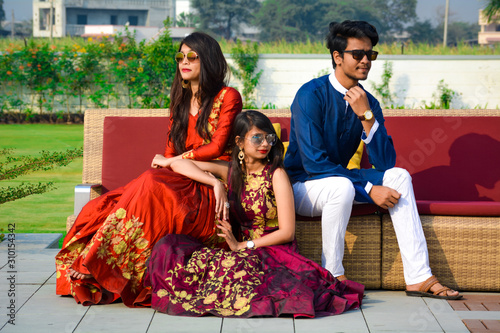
pixel 28 300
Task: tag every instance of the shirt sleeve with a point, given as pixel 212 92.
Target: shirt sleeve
pixel 381 152
pixel 230 107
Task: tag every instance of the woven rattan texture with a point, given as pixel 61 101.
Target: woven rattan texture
pixel 464 252
pixel 362 251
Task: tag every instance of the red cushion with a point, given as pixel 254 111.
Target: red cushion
pixel 129 145
pixel 450 158
pixel 459 208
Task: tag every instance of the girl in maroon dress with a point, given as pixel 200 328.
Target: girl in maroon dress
pixel 262 274
pixel 104 255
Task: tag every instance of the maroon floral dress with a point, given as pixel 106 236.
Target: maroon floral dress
pixel 190 279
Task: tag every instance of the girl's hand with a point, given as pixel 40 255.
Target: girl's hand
pixel 221 201
pixel 227 234
pixel 160 161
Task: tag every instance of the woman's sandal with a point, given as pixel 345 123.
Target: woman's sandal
pixel 424 290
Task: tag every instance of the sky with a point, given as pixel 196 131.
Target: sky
pixel 460 10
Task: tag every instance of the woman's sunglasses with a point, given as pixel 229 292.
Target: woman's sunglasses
pixel 191 56
pixel 360 54
pixel 257 139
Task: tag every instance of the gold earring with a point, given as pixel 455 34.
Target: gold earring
pixel 241 156
pixel 185 84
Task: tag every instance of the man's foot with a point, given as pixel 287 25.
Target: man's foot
pixel 341 278
pixel 77 275
pixel 432 288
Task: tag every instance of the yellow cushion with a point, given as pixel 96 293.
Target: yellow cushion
pixel 277 128
pixel 285 144
pixel 355 162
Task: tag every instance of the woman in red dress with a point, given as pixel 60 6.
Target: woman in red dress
pixel 104 255
pixel 263 274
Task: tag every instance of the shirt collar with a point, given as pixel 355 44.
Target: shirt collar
pixel 336 84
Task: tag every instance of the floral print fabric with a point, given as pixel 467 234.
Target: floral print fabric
pixel 190 279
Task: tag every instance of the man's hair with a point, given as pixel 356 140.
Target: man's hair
pixel 336 40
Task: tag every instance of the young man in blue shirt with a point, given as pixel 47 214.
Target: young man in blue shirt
pixel 330 115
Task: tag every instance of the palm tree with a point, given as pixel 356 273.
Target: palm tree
pixel 492 9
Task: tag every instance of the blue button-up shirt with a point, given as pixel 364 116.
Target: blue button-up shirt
pixel 325 133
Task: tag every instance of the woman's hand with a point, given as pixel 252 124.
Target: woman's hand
pixel 160 161
pixel 221 202
pixel 227 233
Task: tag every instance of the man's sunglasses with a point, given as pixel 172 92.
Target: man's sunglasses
pixel 360 54
pixel 257 139
pixel 191 56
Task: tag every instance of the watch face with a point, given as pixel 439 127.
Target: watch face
pixel 368 115
pixel 250 244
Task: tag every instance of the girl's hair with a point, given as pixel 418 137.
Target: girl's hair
pixel 242 124
pixel 214 75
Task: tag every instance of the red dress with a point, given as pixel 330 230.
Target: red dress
pixel 114 234
pixel 190 279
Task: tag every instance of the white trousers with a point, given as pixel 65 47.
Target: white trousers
pixel 332 199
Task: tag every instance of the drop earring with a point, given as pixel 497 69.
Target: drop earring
pixel 185 84
pixel 241 156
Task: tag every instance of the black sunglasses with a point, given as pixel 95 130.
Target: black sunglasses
pixel 191 56
pixel 257 139
pixel 360 54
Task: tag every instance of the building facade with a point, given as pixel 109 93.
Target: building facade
pixel 69 17
pixel 490 30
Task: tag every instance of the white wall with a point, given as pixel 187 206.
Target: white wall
pixel 415 78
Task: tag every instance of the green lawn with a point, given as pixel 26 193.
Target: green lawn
pixel 47 212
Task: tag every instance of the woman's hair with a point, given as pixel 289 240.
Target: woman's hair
pixel 242 124
pixel 213 77
pixel 336 40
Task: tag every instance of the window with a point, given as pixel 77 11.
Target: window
pixel 45 18
pixel 133 20
pixel 113 20
pixel 81 19
pixel 498 27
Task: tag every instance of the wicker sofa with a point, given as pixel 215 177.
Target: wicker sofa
pixel 461 223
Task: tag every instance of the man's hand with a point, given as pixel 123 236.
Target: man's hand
pixel 358 100
pixel 384 196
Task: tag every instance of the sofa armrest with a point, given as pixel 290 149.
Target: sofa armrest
pixel 83 194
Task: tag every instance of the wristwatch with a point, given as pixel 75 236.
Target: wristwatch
pixel 368 115
pixel 250 245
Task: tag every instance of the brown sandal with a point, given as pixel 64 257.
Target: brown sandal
pixel 424 290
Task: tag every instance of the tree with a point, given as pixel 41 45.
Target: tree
pixel 492 9
pixel 224 17
pixel 2 12
pixel 460 31
pixel 424 32
pixel 186 20
pixel 296 20
pixel 291 20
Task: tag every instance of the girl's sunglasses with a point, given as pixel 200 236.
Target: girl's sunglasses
pixel 360 54
pixel 191 56
pixel 257 139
